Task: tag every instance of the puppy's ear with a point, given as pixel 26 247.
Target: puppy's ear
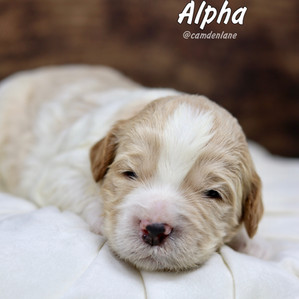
pixel 102 153
pixel 253 206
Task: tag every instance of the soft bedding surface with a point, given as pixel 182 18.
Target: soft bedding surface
pixel 46 253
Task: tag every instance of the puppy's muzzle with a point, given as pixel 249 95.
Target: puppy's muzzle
pixel 154 233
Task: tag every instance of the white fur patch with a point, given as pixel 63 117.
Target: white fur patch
pixel 186 132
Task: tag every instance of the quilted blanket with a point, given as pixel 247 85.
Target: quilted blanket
pixel 46 253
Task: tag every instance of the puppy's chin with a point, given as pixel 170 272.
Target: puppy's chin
pixel 166 257
pixel 160 258
pixel 188 242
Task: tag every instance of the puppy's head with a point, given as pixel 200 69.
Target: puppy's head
pixel 177 181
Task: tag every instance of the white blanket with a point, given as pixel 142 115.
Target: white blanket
pixel 46 253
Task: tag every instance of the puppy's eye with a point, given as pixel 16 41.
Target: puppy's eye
pixel 130 175
pixel 213 194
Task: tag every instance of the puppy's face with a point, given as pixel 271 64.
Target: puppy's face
pixel 177 182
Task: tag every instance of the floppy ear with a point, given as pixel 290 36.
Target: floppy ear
pixel 102 154
pixel 253 207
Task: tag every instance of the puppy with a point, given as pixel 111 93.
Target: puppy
pixel 166 177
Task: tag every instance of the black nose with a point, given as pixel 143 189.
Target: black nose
pixel 156 228
pixel 155 233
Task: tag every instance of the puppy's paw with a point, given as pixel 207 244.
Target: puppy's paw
pixel 92 214
pixel 256 247
pixel 95 226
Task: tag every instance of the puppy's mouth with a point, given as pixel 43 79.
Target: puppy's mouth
pixel 154 234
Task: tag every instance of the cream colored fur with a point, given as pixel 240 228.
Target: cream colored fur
pixel 68 135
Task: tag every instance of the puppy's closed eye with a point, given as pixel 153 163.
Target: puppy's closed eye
pixel 130 175
pixel 212 194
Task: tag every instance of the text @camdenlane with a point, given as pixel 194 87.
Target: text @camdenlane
pixel 210 35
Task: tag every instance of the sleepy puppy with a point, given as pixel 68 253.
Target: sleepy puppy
pixel 166 177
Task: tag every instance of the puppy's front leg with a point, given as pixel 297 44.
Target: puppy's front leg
pixel 92 214
pixel 67 183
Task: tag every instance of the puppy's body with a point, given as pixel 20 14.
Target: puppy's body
pixel 179 165
pixel 50 118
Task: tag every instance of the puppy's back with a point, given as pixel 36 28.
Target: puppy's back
pixel 28 96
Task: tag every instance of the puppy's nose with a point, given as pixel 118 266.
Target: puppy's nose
pixel 155 233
